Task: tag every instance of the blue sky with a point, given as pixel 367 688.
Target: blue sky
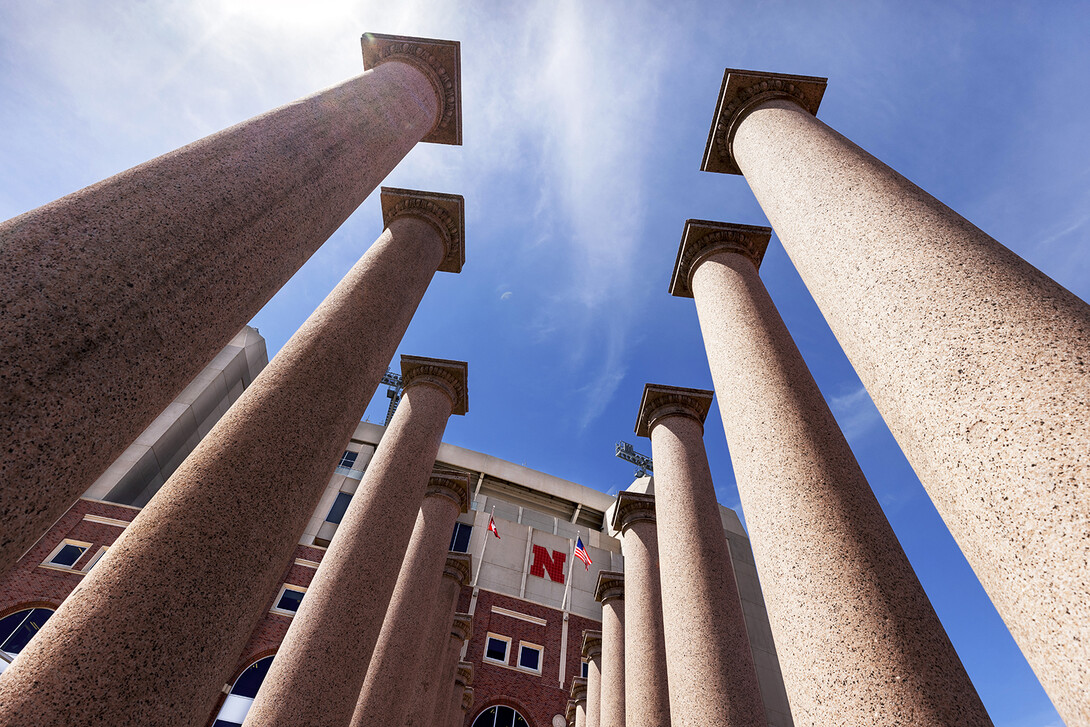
pixel 584 125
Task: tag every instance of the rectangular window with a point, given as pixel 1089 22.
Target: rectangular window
pixel 348 459
pixel 288 600
pixel 67 554
pixel 340 505
pixel 459 539
pixel 95 559
pixel 586 669
pixel 530 657
pixel 497 648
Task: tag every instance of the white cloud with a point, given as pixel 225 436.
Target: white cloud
pixel 855 413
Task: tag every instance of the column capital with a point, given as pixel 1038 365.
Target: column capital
pixel 459 567
pixel 451 484
pixel 569 712
pixel 440 61
pixel 631 508
pixel 702 238
pixel 462 628
pixel 742 91
pixel 450 377
pixel 467 699
pixel 445 212
pixel 592 644
pixel 463 674
pixel 610 585
pixel 661 401
pixel 579 689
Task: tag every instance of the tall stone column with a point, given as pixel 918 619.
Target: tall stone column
pixel 819 536
pixel 446 669
pixel 976 359
pixel 115 297
pixel 339 629
pixel 712 677
pixel 592 652
pixel 646 686
pixel 212 545
pixel 427 678
pixel 579 698
pixel 610 592
pixel 467 704
pixel 456 713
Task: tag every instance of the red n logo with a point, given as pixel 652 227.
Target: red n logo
pixel 553 563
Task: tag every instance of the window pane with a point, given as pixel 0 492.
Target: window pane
pixel 250 680
pixel 348 459
pixel 339 506
pixel 459 540
pixel 289 600
pixel 586 668
pixel 68 555
pixel 505 717
pixel 529 658
pixel 519 721
pixel 18 628
pixel 486 718
pixel 496 650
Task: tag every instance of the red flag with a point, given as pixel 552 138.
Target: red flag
pixel 492 525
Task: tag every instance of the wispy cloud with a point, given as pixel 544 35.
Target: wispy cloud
pixel 855 413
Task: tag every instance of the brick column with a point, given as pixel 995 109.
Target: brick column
pixel 646 685
pixel 115 297
pixel 712 677
pixel 428 685
pixel 976 359
pixel 320 668
pixel 610 592
pixel 579 699
pixel 459 630
pixel 210 548
pixel 592 652
pixel 456 711
pixel 819 536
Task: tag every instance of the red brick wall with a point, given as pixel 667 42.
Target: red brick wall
pixel 537 698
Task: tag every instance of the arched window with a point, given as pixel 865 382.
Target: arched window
pixel 500 716
pixel 238 702
pixel 17 629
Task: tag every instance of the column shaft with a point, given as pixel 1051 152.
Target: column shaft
pixel 976 360
pixel 439 639
pixel 113 298
pixel 195 570
pixel 339 629
pixel 454 715
pixel 592 652
pixel 820 539
pixel 712 677
pixel 613 655
pixel 646 689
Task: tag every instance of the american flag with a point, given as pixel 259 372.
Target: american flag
pixel 581 553
pixel 492 525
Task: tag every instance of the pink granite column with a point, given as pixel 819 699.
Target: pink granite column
pixel 592 652
pixel 195 570
pixel 340 627
pixel 976 359
pixel 610 592
pixel 114 297
pixel 455 714
pixel 819 536
pixel 427 685
pixel 579 698
pixel 467 704
pixel 712 677
pixel 646 685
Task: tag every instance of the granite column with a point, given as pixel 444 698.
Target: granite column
pixel 460 630
pixel 114 297
pixel 712 677
pixel 194 571
pixel 610 592
pixel 819 536
pixel 646 686
pixel 579 699
pixel 339 629
pixel 442 630
pixel 975 359
pixel 592 652
pixel 456 713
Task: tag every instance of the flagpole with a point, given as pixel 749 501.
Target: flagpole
pixel 571 572
pixel 484 544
